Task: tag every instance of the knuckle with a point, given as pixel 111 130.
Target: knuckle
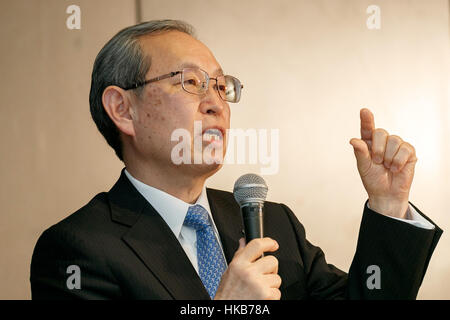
pixel 259 245
pixel 411 148
pixel 273 294
pixel 273 260
pixel 396 165
pixel 407 148
pixel 278 280
pixel 255 244
pixel 380 132
pixel 378 151
pixel 277 294
pixel 389 155
pixel 268 241
pixel 395 139
pixel 397 161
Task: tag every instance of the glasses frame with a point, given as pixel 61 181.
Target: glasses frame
pixel 174 73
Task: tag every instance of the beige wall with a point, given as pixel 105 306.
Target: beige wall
pixel 307 66
pixel 53 160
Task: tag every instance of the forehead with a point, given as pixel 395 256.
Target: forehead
pixel 173 49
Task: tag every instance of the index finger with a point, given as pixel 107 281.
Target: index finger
pixel 257 247
pixel 367 125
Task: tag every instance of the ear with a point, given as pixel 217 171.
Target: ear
pixel 118 107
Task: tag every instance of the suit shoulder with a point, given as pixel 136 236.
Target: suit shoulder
pixel 83 234
pixel 80 223
pixel 84 238
pixel 90 214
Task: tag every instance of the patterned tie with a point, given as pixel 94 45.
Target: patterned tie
pixel 211 263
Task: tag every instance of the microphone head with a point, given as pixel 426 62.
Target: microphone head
pixel 250 188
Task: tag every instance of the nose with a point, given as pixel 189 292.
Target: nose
pixel 212 103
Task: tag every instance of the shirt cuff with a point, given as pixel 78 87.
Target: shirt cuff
pixel 414 218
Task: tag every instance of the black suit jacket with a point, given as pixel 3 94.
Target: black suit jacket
pixel 124 249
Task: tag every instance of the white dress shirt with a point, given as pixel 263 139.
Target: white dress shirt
pixel 414 218
pixel 174 210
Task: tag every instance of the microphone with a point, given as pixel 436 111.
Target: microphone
pixel 250 192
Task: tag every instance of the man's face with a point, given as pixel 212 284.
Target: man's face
pixel 164 106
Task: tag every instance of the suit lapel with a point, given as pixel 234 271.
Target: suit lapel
pixel 153 241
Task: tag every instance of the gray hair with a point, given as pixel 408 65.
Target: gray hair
pixel 121 62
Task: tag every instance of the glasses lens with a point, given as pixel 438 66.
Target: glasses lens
pixel 194 80
pixel 229 88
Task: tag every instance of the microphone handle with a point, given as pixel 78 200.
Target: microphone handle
pixel 252 214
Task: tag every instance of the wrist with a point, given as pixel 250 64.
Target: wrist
pixel 389 207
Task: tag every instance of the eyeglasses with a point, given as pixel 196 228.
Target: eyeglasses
pixel 196 81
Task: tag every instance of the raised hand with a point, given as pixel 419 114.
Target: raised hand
pixel 386 166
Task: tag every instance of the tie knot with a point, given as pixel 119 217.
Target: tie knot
pixel 197 217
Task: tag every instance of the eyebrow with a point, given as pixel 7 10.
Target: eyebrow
pixel 193 65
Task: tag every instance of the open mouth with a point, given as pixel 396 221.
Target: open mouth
pixel 212 135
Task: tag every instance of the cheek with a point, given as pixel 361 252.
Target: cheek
pixel 155 97
pixel 150 117
pixel 153 111
pixel 161 115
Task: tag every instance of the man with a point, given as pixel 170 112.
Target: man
pixel 160 234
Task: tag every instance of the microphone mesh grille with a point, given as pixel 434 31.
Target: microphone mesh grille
pixel 250 187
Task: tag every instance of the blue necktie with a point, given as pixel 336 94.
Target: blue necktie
pixel 211 263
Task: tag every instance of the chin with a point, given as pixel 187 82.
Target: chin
pixel 206 169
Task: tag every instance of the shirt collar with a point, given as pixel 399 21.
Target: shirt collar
pixel 170 208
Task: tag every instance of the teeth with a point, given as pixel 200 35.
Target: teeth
pixel 212 134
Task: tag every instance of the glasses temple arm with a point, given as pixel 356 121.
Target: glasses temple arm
pixel 165 76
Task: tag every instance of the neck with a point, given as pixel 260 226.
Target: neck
pixel 184 186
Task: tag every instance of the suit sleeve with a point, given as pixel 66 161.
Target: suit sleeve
pixel 400 250
pixel 51 278
pixel 400 253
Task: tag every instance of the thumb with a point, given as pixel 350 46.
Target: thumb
pixel 242 243
pixel 241 247
pixel 362 154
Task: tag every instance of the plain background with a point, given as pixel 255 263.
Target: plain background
pixel 308 68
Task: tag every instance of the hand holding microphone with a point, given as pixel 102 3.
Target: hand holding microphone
pixel 251 275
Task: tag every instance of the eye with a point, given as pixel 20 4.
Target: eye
pixel 222 88
pixel 190 81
